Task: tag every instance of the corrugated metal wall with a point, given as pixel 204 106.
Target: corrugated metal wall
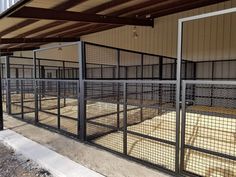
pixel 207 39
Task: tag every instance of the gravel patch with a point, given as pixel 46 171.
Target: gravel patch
pixel 16 165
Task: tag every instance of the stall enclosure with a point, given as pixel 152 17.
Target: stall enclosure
pixel 208 145
pixel 138 110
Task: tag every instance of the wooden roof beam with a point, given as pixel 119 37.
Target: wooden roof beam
pixel 36 40
pixel 48 14
pixel 17 49
pixel 63 6
pixel 95 9
pixel 6 53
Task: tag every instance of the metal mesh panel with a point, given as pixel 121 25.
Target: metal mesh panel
pixel 57 102
pixel 48 103
pixel 103 62
pixel 69 106
pixel 105 98
pixel 15 97
pixel 3 82
pixel 210 121
pixel 136 119
pixel 28 99
pixel 152 128
pixel 22 67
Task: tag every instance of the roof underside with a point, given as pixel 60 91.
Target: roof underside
pixel 28 24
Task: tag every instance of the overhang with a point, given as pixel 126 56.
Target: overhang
pixel 31 23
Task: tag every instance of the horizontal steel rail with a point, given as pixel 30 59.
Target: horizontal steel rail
pixel 209 82
pixel 56 46
pixel 134 81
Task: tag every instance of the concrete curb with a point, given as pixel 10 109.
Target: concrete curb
pixel 56 164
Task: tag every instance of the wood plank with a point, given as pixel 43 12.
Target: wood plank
pixel 48 14
pixel 5 53
pixel 36 40
pixel 96 9
pixel 18 49
pixel 66 5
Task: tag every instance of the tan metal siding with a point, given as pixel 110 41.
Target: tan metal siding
pixel 207 39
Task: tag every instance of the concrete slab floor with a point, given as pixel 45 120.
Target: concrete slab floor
pixel 91 157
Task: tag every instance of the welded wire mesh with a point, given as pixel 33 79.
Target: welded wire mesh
pixel 69 106
pixel 103 108
pixel 103 62
pixel 3 86
pixel 53 102
pixel 58 104
pixel 136 119
pixel 152 128
pixel 210 130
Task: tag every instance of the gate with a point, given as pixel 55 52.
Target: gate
pixel 135 118
pixel 208 132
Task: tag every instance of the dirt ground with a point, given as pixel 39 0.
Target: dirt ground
pixel 101 161
pixel 15 165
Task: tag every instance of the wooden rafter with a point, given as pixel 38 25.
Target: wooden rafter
pixel 96 9
pixel 76 28
pixel 17 49
pixel 63 6
pixel 36 40
pixel 6 53
pixel 141 9
pixel 48 14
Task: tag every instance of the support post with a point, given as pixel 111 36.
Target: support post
pixel 141 94
pixel 23 71
pixel 8 85
pixel 22 98
pixel 23 75
pixel 212 78
pixel 101 70
pixel 194 78
pixel 152 97
pixel 118 89
pixel 183 121
pixel 64 86
pixel 17 81
pixel 2 72
pixel 1 110
pixel 43 77
pixel 136 85
pixel 58 106
pixel 35 86
pixel 160 86
pixel 82 103
pixel 125 119
pixel 40 84
pixel 178 89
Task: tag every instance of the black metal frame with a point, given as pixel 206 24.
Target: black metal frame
pixel 1 108
pixel 186 96
pixel 120 90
